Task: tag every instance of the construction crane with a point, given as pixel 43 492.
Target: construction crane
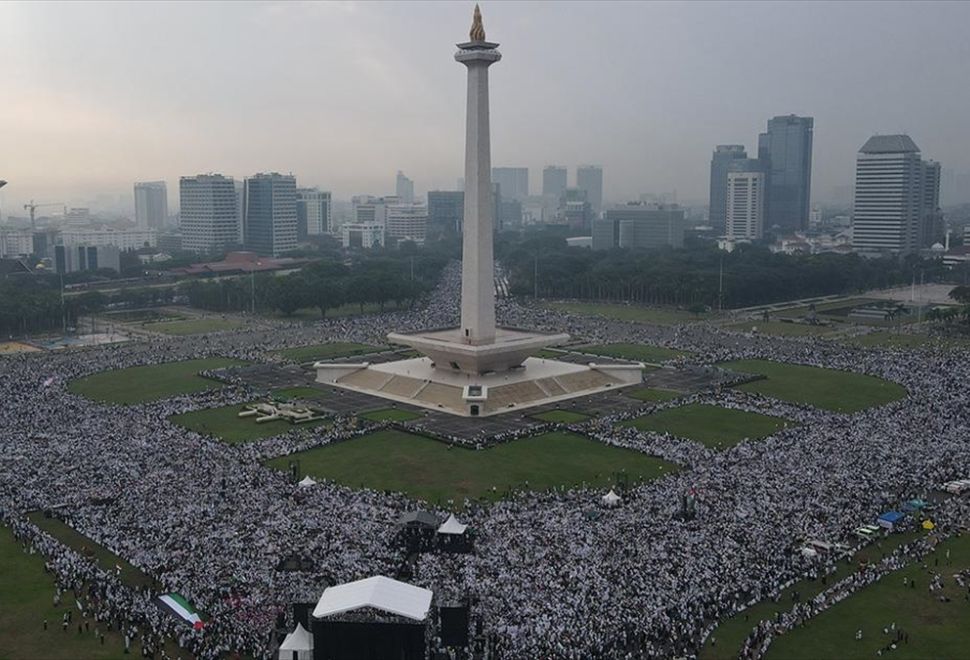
pixel 32 207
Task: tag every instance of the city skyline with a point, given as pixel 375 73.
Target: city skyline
pixel 124 127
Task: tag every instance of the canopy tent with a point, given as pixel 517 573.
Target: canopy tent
pixel 419 519
pixel 308 481
pixel 378 592
pixel 890 519
pixel 809 553
pixel 298 645
pixel 611 498
pixel 452 526
pixel 928 525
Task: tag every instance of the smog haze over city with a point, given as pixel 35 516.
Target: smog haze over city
pixel 96 95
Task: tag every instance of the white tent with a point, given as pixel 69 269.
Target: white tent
pixel 611 498
pixel 452 526
pixel 298 645
pixel 379 592
pixel 307 481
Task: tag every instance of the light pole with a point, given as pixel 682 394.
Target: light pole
pixel 2 184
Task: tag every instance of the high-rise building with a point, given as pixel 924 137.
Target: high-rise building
pixel 553 181
pixel 369 210
pixel 786 152
pixel 446 209
pixel 894 190
pixel 639 225
pixel 933 229
pixel 313 213
pixel 405 188
pixel 407 222
pixel 270 214
pixel 514 182
pixel 723 155
pixel 575 210
pixel 209 221
pixel 151 204
pixel 590 179
pixel 745 204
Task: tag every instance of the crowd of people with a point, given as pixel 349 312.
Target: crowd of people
pixel 209 521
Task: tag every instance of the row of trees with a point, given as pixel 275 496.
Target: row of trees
pixel 698 274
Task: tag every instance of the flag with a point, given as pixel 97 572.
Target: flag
pixel 181 607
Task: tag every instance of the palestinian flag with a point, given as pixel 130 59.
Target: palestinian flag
pixel 181 607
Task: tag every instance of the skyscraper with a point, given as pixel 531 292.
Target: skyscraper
pixel 270 214
pixel 723 155
pixel 404 189
pixel 893 190
pixel 313 212
pixel 786 151
pixel 513 181
pixel 207 207
pixel 446 208
pixel 151 204
pixel 590 179
pixel 553 181
pixel 932 222
pixel 745 203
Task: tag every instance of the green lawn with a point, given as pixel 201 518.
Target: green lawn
pixel 226 425
pixel 655 315
pixel 712 426
pixel 103 557
pixel 432 471
pixel 731 632
pixel 936 629
pixel 782 329
pixel 561 416
pixel 326 351
pixel 652 394
pixel 638 352
pixel 193 326
pixel 390 415
pixel 26 600
pixel 150 383
pixel 841 391
pixel 887 339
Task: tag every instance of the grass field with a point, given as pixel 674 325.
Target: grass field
pixel 936 629
pixel 561 416
pixel 887 339
pixel 103 557
pixel 712 426
pixel 432 471
pixel 651 394
pixel 841 391
pixel 731 632
pixel 390 415
pixel 149 383
pixel 226 425
pixel 782 329
pixel 326 351
pixel 193 326
pixel 654 315
pixel 639 352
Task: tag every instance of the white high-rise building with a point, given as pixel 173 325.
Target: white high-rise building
pixel 313 212
pixel 590 179
pixel 151 204
pixel 745 205
pixel 405 188
pixel 889 196
pixel 407 222
pixel 209 219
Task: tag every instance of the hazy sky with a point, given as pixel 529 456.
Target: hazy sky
pixel 95 96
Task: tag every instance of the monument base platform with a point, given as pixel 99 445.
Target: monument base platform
pixel 536 382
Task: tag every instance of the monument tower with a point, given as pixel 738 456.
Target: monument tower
pixel 477 368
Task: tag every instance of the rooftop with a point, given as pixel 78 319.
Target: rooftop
pixel 889 144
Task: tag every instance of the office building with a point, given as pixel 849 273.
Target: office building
pixel 933 229
pixel 75 258
pixel 724 155
pixel 639 225
pixel 123 239
pixel 553 182
pixel 313 213
pixel 745 204
pixel 446 209
pixel 16 242
pixel 575 210
pixel 895 191
pixel 509 215
pixel 208 216
pixel 151 204
pixel 514 182
pixel 786 151
pixel 362 235
pixel 368 210
pixel 77 217
pixel 406 222
pixel 590 179
pixel 405 189
pixel 269 214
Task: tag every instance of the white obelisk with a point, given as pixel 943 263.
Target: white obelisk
pixel 477 267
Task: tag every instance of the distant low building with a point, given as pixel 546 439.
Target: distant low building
pixel 75 258
pixel 123 239
pixel 237 263
pixel 406 222
pixel 362 235
pixel 639 225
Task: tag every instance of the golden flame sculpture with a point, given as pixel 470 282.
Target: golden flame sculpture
pixel 478 30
